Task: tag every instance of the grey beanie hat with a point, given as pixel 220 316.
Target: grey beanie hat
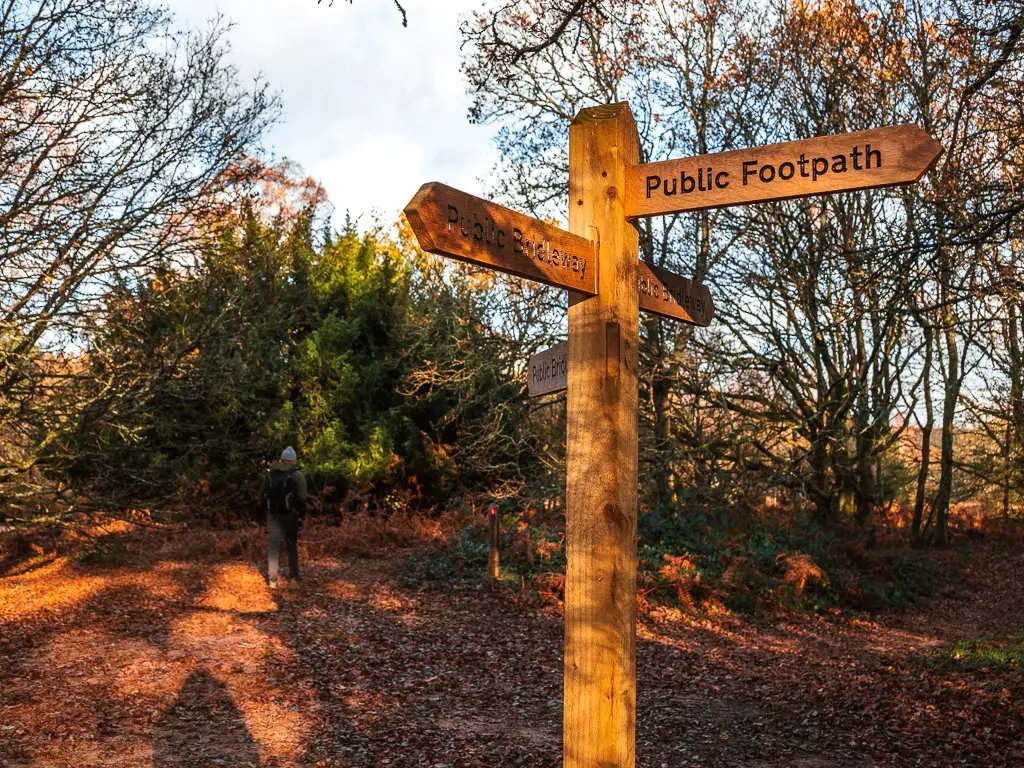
pixel 288 454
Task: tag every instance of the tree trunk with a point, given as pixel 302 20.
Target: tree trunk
pixel 916 534
pixel 950 397
pixel 1007 471
pixel 661 387
pixel 819 488
pixel 864 488
pixel 1015 418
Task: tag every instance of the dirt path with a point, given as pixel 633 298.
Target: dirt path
pixel 183 664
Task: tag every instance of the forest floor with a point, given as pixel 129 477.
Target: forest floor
pixel 196 663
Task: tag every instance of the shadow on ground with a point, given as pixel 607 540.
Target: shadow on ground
pixel 202 726
pixel 186 664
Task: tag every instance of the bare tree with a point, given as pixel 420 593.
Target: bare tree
pixel 837 315
pixel 117 131
pixel 398 5
pixel 960 81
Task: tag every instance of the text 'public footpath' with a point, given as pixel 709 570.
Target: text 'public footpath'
pixel 752 172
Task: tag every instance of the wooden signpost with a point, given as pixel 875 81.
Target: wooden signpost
pixel 597 261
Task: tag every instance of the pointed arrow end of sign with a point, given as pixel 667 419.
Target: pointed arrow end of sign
pixel 413 212
pixel 421 196
pixel 926 150
pixel 937 149
pixel 710 315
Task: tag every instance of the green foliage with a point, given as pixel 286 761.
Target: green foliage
pixel 461 561
pixel 344 412
pixel 757 560
pixel 381 368
pixel 190 370
pixel 986 651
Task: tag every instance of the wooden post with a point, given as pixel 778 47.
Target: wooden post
pixel 492 555
pixel 597 261
pixel 601 456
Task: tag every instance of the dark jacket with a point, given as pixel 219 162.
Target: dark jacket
pixel 298 483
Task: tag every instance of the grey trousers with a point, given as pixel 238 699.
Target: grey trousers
pixel 286 527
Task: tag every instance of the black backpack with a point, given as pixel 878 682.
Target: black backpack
pixel 280 492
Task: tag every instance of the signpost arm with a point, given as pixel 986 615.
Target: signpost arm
pixel 601 457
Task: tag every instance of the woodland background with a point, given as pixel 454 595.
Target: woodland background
pixel 176 307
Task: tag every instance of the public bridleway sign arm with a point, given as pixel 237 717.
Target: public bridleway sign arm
pixel 456 224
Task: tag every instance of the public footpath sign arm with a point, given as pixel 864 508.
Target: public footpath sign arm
pixel 881 157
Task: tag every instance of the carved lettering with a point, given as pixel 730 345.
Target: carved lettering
pixel 455 224
pixel 538 248
pixel 548 371
pixel 813 168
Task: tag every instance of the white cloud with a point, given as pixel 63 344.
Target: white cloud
pixel 371 109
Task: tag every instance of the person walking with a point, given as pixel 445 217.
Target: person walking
pixel 283 497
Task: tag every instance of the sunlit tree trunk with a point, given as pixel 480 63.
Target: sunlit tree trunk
pixel 916 533
pixel 950 397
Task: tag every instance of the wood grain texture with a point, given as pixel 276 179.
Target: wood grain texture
pixel 456 224
pixel 548 371
pixel 666 293
pixel 601 456
pixel 880 157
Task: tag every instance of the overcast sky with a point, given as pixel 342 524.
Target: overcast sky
pixel 372 110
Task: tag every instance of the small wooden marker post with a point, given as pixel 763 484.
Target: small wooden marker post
pixel 492 554
pixel 597 261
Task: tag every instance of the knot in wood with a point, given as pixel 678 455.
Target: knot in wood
pixel 613 515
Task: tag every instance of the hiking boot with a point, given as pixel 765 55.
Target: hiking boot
pixel 272 584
